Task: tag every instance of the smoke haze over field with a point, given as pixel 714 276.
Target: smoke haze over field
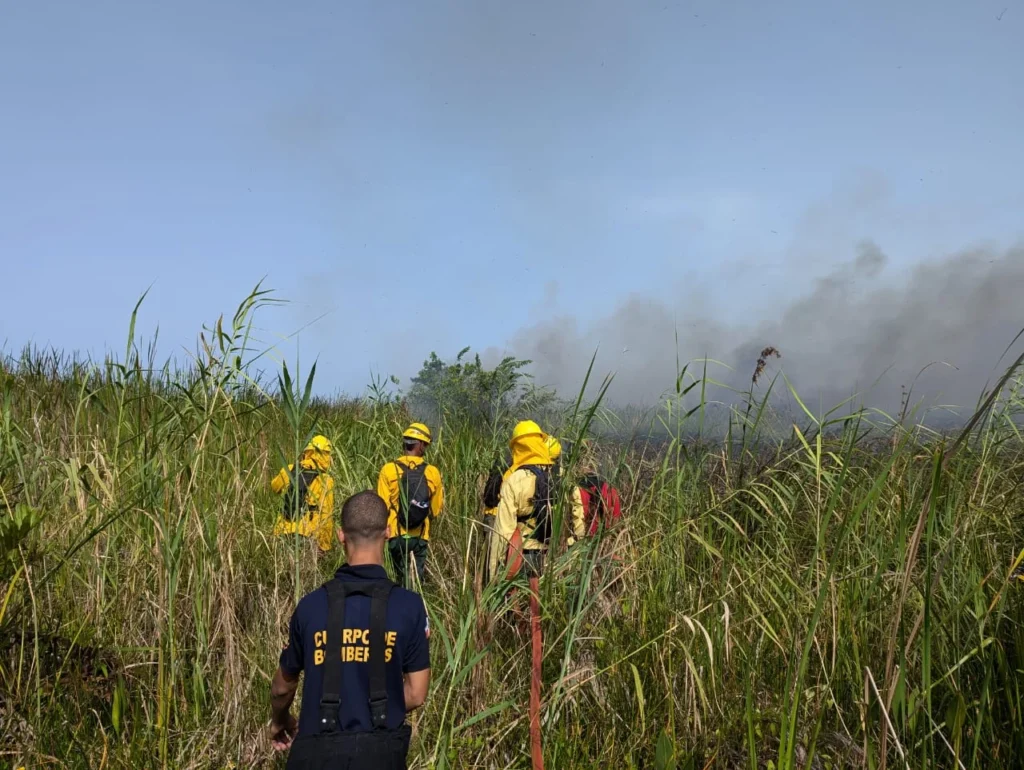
pixel 857 330
pixel 530 177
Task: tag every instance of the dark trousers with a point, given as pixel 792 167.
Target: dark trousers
pixel 376 750
pixel 400 548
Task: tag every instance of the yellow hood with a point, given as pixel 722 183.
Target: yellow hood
pixel 315 460
pixel 529 450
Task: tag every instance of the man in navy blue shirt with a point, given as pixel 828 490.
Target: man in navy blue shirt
pixel 362 642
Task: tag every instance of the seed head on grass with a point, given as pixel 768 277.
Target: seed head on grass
pixel 762 361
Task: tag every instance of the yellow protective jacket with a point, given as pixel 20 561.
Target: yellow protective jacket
pixel 387 488
pixel 319 522
pixel 516 500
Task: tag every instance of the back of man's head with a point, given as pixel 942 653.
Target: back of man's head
pixel 364 519
pixel 414 448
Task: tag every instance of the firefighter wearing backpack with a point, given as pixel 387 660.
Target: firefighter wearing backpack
pixel 503 467
pixel 522 523
pixel 579 501
pixel 308 505
pixel 414 493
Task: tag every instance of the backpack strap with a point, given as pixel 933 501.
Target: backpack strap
pixel 422 466
pixel 524 517
pixel 378 668
pixel 330 700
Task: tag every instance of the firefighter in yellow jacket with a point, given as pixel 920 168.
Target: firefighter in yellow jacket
pixel 414 493
pixel 578 527
pixel 499 475
pixel 524 503
pixel 314 516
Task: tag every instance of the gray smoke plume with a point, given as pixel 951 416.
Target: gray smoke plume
pixel 857 332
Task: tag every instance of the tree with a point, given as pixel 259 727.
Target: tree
pixel 469 391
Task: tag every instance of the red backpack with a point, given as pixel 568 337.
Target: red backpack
pixel 600 503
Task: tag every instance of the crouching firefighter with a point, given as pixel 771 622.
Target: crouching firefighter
pixel 523 521
pixel 308 495
pixel 362 643
pixel 600 500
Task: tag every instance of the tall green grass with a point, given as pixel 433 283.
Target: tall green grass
pixel 842 597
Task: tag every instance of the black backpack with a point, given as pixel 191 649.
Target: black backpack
pixel 541 513
pixel 300 479
pixel 492 489
pixel 413 496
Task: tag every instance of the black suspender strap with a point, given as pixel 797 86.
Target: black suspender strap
pixel 330 699
pixel 378 665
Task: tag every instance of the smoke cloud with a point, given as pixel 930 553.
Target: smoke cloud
pixel 864 330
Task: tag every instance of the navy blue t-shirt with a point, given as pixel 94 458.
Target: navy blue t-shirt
pixel 405 633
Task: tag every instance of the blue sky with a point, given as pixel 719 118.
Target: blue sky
pixel 432 175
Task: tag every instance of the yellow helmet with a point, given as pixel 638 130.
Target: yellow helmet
pixel 554 447
pixel 417 432
pixel 526 428
pixel 319 444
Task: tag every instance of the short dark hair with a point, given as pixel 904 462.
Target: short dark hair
pixel 410 444
pixel 364 517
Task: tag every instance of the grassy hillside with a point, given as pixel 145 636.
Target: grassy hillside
pixel 824 601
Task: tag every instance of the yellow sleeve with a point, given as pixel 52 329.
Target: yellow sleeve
pixel 324 523
pixel 510 502
pixel 437 487
pixel 280 482
pixel 387 489
pixel 325 534
pixel 579 525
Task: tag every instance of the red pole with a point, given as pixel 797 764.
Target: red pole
pixel 535 747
